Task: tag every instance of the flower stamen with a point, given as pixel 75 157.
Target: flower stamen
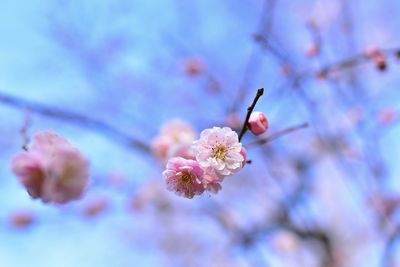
pixel 220 152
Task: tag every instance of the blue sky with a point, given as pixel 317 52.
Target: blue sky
pixel 118 61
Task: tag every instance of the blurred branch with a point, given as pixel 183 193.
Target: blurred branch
pixel 248 238
pixel 354 61
pixel 277 135
pixel 264 25
pixel 389 249
pixel 74 118
pixel 24 130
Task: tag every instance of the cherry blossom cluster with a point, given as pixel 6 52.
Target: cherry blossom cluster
pixel 51 169
pixel 197 166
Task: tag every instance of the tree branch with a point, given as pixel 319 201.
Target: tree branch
pixel 74 118
pixel 277 135
pixel 250 109
pixel 353 61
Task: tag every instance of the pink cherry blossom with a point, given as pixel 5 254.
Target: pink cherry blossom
pixel 218 151
pixel 182 150
pixel 243 152
pixel 258 123
pixel 184 176
pixel 212 183
pixel 52 169
pixel 174 140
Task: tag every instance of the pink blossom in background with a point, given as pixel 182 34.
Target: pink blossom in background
pixel 96 206
pixel 387 116
pixel 21 218
pixel 234 120
pixel 258 123
pixel 30 169
pixel 218 151
pixel 184 177
pixel 193 66
pixel 182 150
pixel 285 242
pixel 174 140
pixel 52 169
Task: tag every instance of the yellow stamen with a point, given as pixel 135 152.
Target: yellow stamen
pixel 187 179
pixel 220 152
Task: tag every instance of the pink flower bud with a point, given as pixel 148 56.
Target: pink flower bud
pixel 378 58
pixel 258 123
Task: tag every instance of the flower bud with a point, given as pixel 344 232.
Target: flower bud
pixel 258 123
pixel 378 58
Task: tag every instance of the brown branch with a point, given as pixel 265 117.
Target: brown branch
pixel 25 130
pixel 250 109
pixel 277 135
pixel 74 118
pixel 353 61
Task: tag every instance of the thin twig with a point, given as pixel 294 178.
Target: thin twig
pixel 74 118
pixel 353 61
pixel 25 130
pixel 250 109
pixel 277 135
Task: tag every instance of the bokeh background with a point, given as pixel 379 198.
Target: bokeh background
pixel 103 72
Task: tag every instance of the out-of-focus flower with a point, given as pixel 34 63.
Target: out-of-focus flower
pixel 234 121
pixel 150 194
pixel 174 140
pixel 21 218
pixel 218 151
pixel 313 49
pixel 285 242
pixel 52 169
pixel 258 123
pixel 286 70
pixel 387 116
pixel 193 66
pixel 181 150
pixel 96 206
pixel 184 177
pixel 116 180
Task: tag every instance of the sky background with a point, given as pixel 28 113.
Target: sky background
pixel 122 62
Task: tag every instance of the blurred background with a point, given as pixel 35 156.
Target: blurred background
pixel 107 74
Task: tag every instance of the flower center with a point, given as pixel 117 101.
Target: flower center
pixel 187 179
pixel 220 152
